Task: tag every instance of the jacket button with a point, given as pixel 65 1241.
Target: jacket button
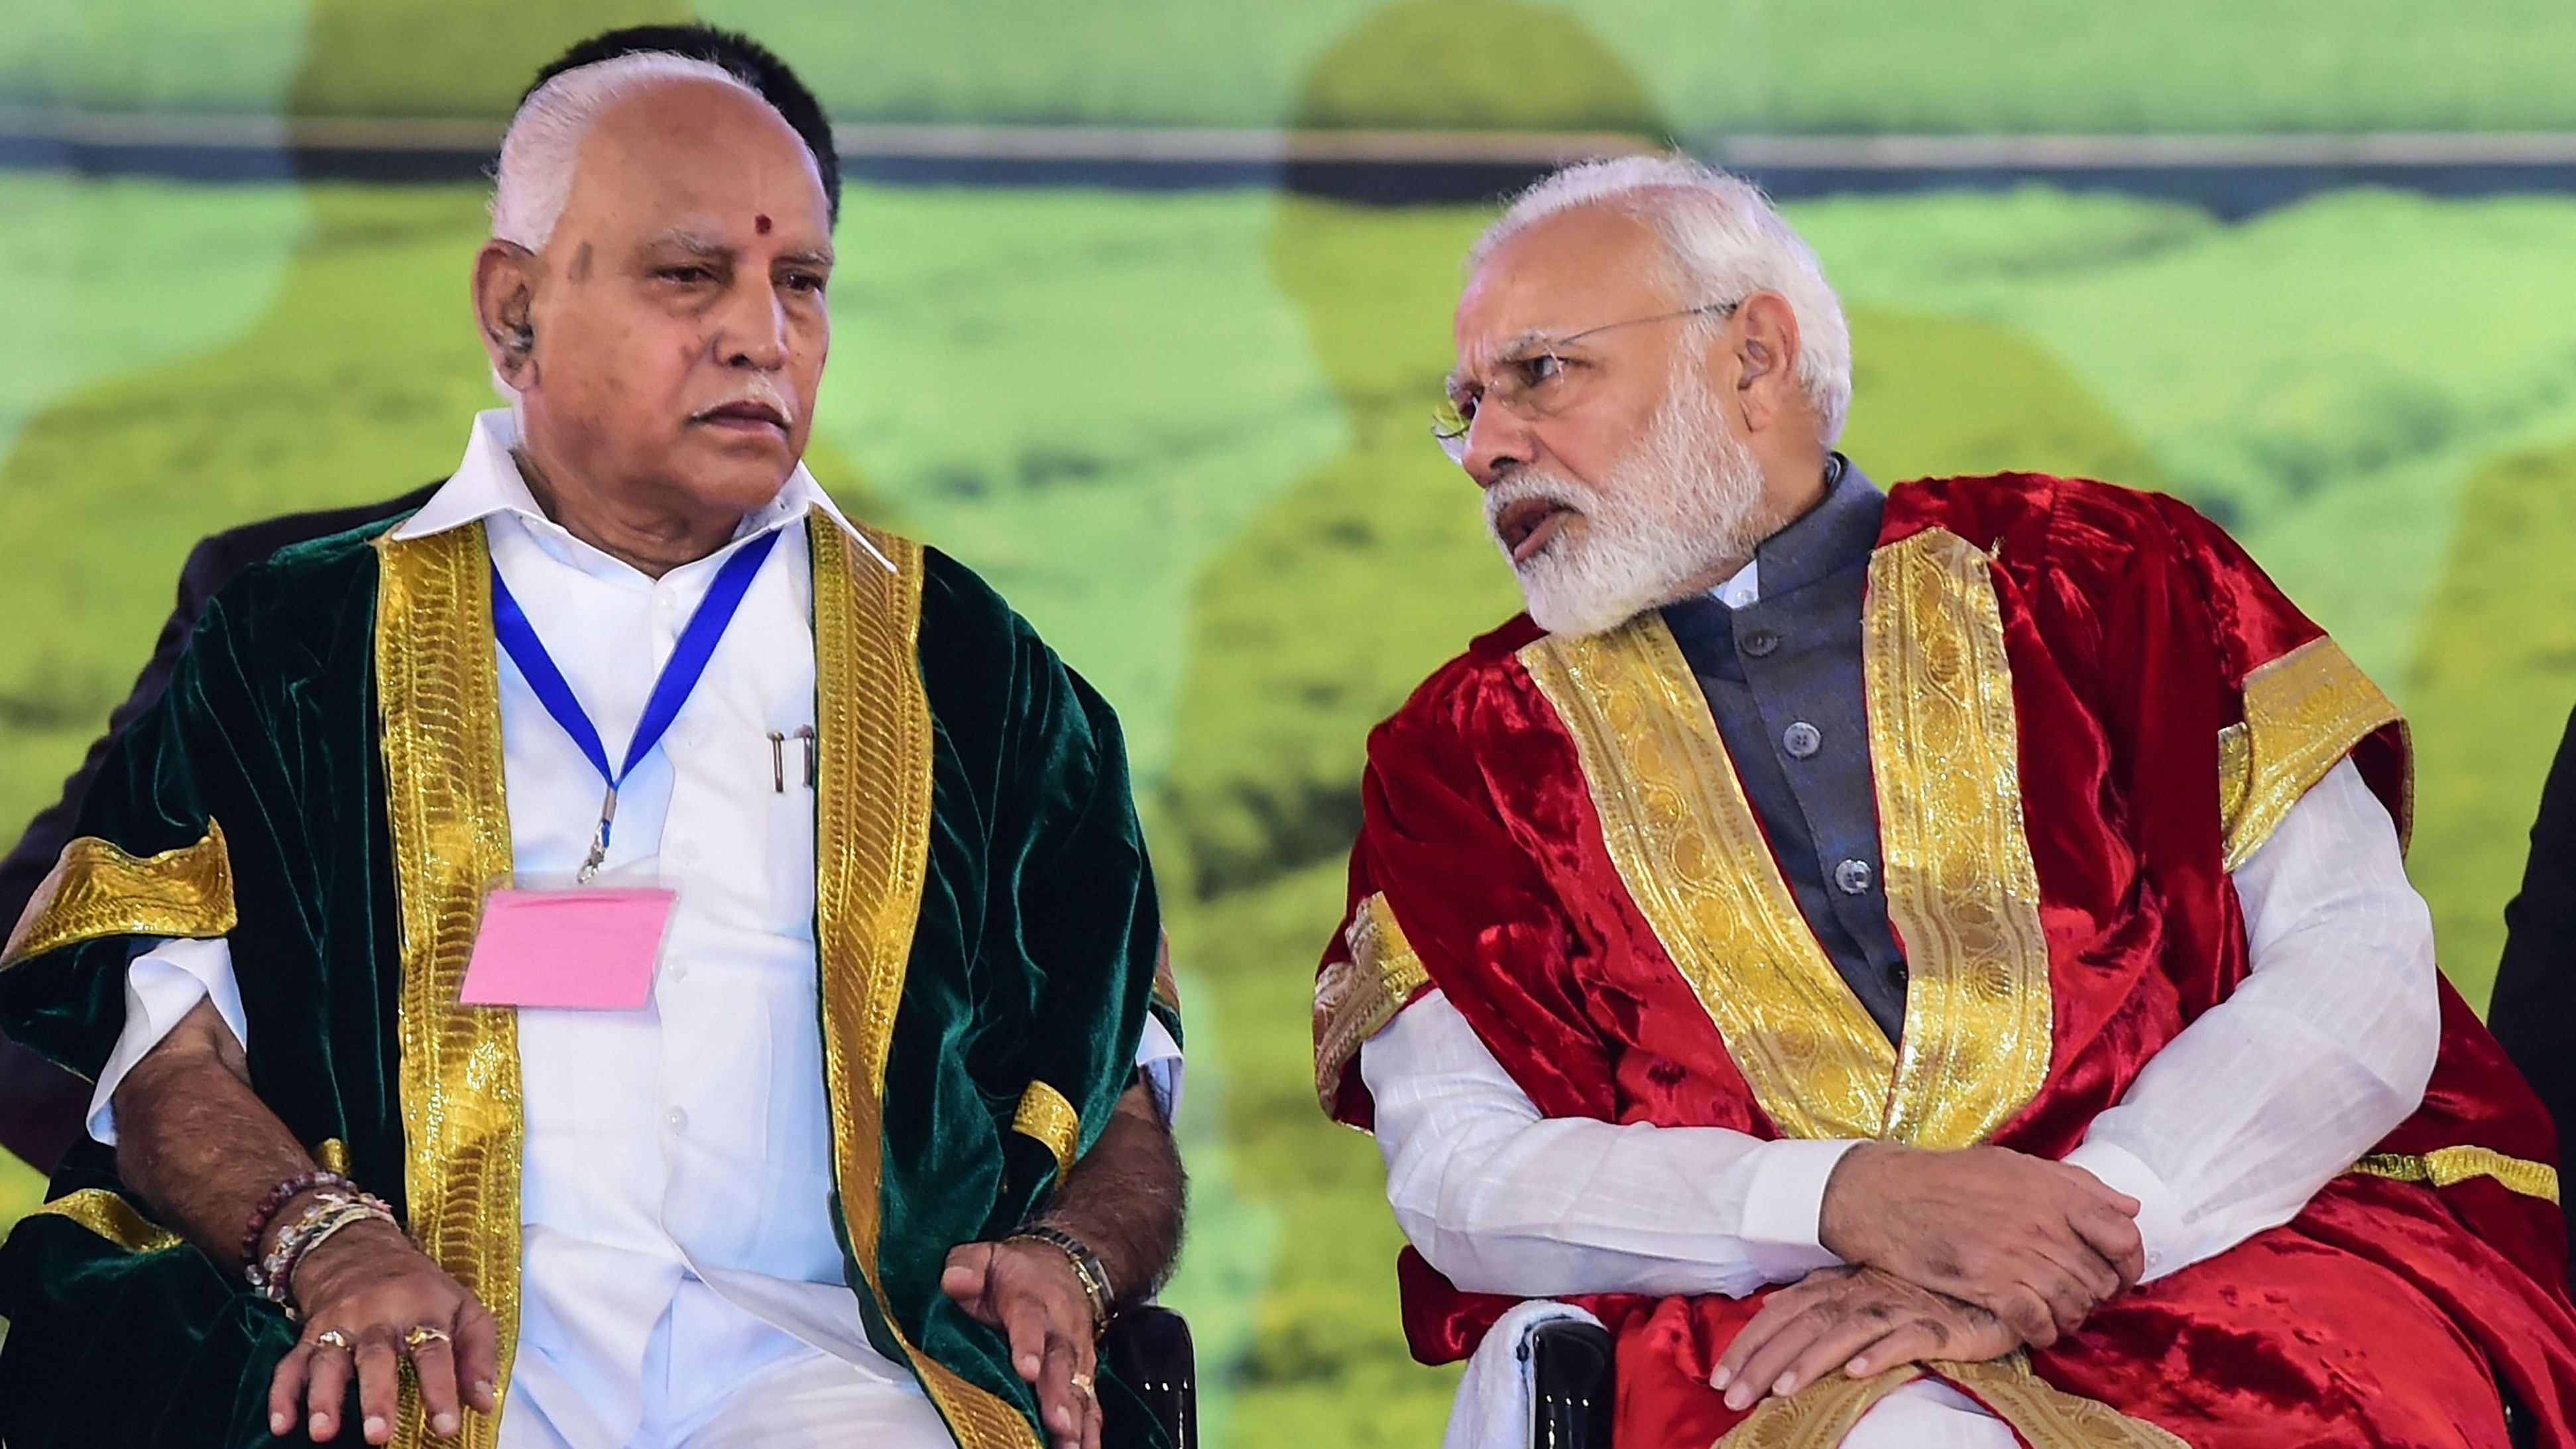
pixel 1802 740
pixel 1852 877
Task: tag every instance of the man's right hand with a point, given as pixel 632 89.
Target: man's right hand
pixel 371 1285
pixel 2037 1243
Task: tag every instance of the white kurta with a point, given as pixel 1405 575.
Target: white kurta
pixel 678 1258
pixel 2229 1130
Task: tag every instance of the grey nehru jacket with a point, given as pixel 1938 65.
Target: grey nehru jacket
pixel 1783 677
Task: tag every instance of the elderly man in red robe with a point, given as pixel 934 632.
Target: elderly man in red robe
pixel 1921 967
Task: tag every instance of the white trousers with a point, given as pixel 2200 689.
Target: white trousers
pixel 804 1398
pixel 1493 1408
pixel 1928 1414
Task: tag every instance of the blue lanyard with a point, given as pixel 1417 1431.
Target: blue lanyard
pixel 680 674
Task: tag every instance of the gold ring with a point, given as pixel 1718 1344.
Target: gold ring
pixel 1082 1386
pixel 332 1338
pixel 421 1333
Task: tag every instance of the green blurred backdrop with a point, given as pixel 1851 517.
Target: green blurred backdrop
pixel 1184 431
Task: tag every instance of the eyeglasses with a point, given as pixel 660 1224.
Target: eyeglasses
pixel 1535 379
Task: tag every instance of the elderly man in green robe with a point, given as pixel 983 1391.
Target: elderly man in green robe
pixel 622 955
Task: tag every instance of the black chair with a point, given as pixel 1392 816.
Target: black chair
pixel 1150 1349
pixel 1570 1371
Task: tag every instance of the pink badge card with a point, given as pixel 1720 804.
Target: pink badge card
pixel 592 948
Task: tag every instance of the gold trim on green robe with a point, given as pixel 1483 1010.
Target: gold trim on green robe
pixel 97 890
pixel 438 688
pixel 871 842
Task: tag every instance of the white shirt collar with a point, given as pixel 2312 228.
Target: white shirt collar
pixel 1744 589
pixel 487 481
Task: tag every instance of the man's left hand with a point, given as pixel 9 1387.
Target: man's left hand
pixel 1029 1291
pixel 1859 1320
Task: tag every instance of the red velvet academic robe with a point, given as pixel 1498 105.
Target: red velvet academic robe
pixel 2086 706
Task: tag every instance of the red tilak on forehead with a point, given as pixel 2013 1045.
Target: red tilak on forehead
pixel 760 224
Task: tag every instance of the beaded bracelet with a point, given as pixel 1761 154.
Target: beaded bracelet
pixel 317 1231
pixel 1088 1270
pixel 330 1211
pixel 273 1204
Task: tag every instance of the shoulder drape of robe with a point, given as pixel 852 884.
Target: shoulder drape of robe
pixel 321 787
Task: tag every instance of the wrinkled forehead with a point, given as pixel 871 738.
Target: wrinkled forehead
pixel 688 153
pixel 1578 269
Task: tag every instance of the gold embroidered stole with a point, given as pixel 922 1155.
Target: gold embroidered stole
pixel 439 695
pixel 1962 890
pixel 872 852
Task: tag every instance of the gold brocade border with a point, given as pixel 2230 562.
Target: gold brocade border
pixel 1962 890
pixel 112 1218
pixel 1692 855
pixel 1045 1115
pixel 871 856
pixel 2047 1417
pixel 2303 712
pixel 1357 995
pixel 1818 1416
pixel 98 890
pixel 2044 1417
pixel 438 692
pixel 2444 1166
pixel 2235 778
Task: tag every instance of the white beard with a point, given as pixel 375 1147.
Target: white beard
pixel 1678 506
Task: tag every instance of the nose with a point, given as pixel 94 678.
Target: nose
pixel 752 332
pixel 1497 442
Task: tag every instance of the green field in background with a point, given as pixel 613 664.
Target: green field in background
pixel 1187 435
pixel 1712 66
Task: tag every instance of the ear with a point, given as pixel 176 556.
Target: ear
pixel 505 296
pixel 1765 351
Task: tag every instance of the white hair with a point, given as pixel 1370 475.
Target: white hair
pixel 534 180
pixel 1723 241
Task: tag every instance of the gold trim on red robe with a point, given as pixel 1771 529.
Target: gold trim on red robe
pixel 2303 713
pixel 1360 990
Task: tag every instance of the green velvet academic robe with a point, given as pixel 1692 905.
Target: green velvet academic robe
pixel 323 786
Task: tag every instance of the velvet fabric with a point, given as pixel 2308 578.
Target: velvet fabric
pixel 2384 1314
pixel 1032 960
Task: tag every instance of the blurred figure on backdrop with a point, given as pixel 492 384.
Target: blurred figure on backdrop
pixel 1919 967
pixel 2534 1007
pixel 637 982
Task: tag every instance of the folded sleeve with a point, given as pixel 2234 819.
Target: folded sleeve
pixel 162 986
